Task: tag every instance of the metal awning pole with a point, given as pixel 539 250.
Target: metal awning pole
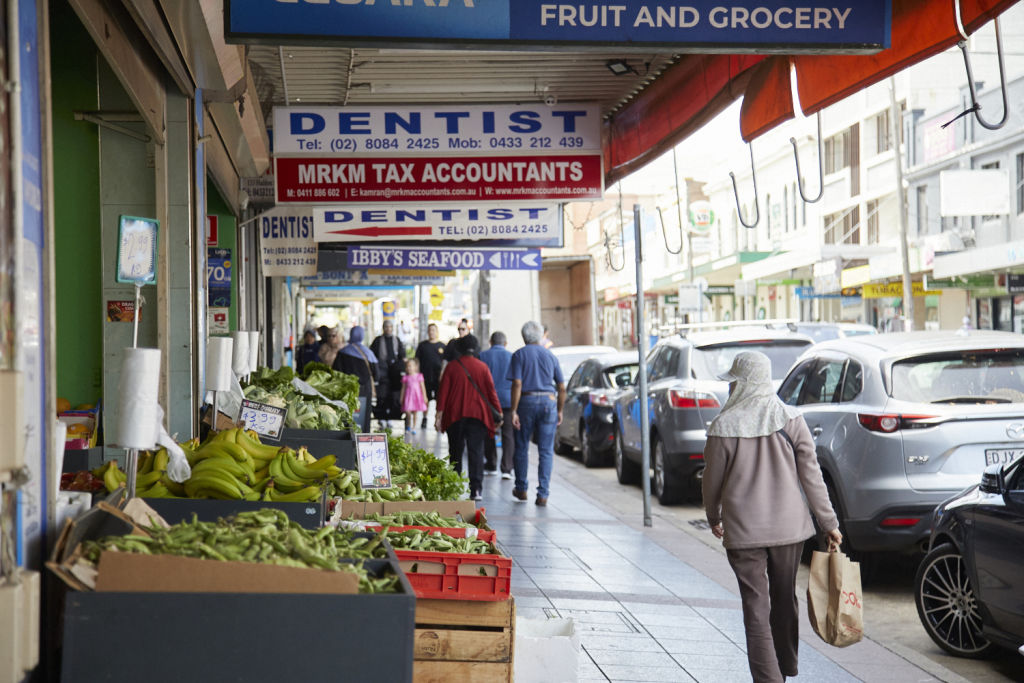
pixel 641 338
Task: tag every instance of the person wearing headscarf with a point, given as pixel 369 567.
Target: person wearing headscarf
pixel 355 358
pixel 308 351
pixel 464 410
pixel 390 353
pixel 330 343
pixel 760 463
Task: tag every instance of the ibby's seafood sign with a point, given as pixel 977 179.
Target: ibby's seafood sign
pixel 627 25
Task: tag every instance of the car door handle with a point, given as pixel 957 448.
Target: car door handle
pixel 816 432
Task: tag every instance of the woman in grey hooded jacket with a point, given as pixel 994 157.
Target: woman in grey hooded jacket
pixel 760 462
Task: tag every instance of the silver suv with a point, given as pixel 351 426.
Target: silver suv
pixel 903 421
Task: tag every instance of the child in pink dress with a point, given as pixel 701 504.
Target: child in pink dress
pixel 414 394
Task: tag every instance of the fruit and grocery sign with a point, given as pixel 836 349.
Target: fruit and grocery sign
pixel 373 462
pixel 263 418
pixel 363 257
pixel 628 25
pixel 382 222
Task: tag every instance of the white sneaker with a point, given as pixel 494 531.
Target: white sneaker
pixel 490 473
pixel 506 475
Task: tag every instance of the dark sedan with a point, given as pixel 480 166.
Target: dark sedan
pixel 588 416
pixel 969 588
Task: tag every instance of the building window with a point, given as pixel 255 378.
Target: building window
pixel 922 210
pixel 794 195
pixel 839 150
pixel 843 227
pixel 883 132
pixel 785 209
pixel 872 209
pixel 991 166
pixel 1020 183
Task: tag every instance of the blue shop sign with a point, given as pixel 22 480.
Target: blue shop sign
pixel 441 258
pixel 863 27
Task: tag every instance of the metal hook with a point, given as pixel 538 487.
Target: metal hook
pixel 975 105
pixel 821 168
pixel 664 235
pixel 622 240
pixel 736 193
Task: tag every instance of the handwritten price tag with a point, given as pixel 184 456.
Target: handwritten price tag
pixel 263 418
pixel 372 459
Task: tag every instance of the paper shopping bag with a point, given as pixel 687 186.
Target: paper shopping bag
pixel 834 603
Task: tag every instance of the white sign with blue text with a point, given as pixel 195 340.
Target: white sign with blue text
pixel 440 258
pixel 382 222
pixel 287 246
pixel 484 129
pixel 810 26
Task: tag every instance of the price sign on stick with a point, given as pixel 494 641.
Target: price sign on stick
pixel 373 462
pixel 263 418
pixel 137 250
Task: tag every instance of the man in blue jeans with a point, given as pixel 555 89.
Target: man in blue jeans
pixel 538 394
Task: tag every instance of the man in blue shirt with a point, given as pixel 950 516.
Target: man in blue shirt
pixel 538 394
pixel 497 359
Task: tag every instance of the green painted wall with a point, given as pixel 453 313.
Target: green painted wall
pixel 227 229
pixel 76 209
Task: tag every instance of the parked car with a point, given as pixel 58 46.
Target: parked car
pixel 820 332
pixel 569 357
pixel 902 421
pixel 684 395
pixel 969 588
pixel 588 417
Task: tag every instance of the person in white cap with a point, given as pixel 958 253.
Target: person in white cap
pixel 758 459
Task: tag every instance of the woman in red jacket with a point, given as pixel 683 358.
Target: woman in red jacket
pixel 465 403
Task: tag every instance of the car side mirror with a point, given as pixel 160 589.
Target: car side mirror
pixel 992 480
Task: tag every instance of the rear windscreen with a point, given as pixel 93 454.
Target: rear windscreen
pixel 963 377
pixel 711 361
pixel 621 375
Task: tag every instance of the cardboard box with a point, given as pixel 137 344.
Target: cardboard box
pixel 447 508
pixel 131 573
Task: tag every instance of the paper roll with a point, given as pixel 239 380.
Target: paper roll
pixel 254 349
pixel 240 353
pixel 139 414
pixel 218 364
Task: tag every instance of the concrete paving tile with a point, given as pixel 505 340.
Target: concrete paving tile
pixel 725 618
pixel 638 608
pixel 624 590
pixel 596 616
pixel 646 674
pixel 600 641
pixel 707 633
pixel 683 620
pixel 731 662
pixel 531 613
pixel 577 586
pixel 624 657
pixel 716 676
pixel 533 602
pixel 686 646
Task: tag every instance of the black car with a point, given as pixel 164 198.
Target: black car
pixel 969 588
pixel 588 415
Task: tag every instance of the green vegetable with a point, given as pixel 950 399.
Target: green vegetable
pixel 433 475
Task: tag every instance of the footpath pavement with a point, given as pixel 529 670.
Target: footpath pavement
pixel 651 604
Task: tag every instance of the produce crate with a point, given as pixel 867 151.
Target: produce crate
pixel 343 449
pixel 485 535
pixel 457 576
pixel 174 510
pixel 459 640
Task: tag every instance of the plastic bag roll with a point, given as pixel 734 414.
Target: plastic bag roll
pixel 139 413
pixel 254 349
pixel 218 364
pixel 240 353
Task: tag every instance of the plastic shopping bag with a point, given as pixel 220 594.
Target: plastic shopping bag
pixel 834 601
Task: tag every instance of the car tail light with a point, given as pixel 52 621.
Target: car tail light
pixel 599 398
pixel 686 398
pixel 890 423
pixel 695 456
pixel 900 522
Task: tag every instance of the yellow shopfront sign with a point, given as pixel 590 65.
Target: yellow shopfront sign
pixel 891 290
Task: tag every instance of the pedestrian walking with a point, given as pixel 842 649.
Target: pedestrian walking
pixel 355 358
pixel 414 394
pixel 546 341
pixel 465 406
pixel 330 343
pixel 497 359
pixel 538 394
pixel 760 464
pixel 430 354
pixel 307 352
pixel 451 351
pixel 390 352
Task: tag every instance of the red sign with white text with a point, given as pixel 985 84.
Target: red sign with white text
pixel 333 180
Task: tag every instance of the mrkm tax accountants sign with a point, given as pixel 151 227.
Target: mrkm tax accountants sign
pixel 338 155
pixel 626 25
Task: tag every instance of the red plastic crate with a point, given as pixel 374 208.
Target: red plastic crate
pixel 457 576
pixel 454 531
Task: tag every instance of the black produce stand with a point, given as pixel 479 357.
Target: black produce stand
pixel 174 510
pixel 321 442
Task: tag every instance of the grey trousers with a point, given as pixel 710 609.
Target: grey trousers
pixel 767 580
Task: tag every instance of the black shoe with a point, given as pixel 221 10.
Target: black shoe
pixel 423 425
pixel 521 495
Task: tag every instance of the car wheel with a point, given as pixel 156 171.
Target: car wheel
pixel 587 454
pixel 947 605
pixel 626 471
pixel 664 485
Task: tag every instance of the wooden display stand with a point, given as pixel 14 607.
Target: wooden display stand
pixel 464 640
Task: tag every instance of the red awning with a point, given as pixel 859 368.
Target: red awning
pixel 697 88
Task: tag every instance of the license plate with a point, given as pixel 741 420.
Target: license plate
pixel 1002 456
